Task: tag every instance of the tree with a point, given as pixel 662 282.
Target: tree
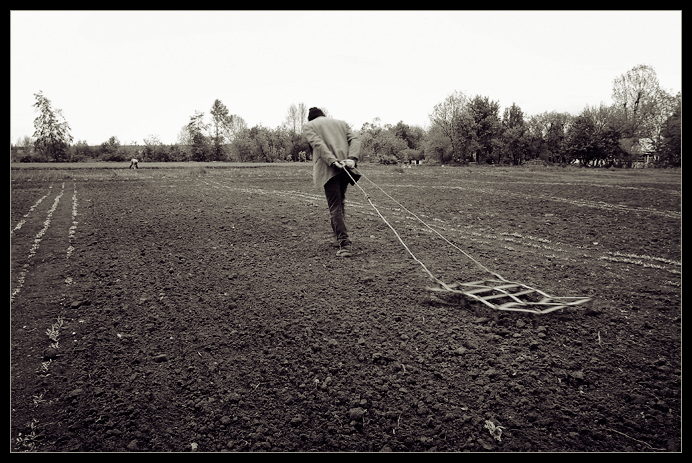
pixel 437 145
pixel 446 116
pixel 302 116
pixel 487 126
pixel 670 149
pixel 382 143
pixel 262 145
pixel 607 135
pixel 666 106
pixel 237 127
pixel 581 139
pixel 243 147
pixel 81 150
pixel 594 138
pixel 555 136
pixel 25 142
pixel 296 117
pixel 545 134
pixel 52 133
pixel 513 135
pixel 389 148
pixel 279 147
pixel 154 150
pixel 637 95
pixel 368 133
pixel 298 144
pixel 176 153
pixel 412 135
pixel 110 150
pixel 199 143
pixel 22 150
pixel 466 136
pixel 222 121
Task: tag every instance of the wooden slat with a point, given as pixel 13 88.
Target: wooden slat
pixel 478 290
pixel 520 293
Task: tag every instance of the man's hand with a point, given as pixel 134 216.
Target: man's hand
pixel 338 164
pixel 350 163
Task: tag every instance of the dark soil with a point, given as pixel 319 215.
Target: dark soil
pixel 204 309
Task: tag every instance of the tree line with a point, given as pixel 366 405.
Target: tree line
pixel 643 121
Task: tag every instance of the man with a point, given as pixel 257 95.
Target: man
pixel 335 151
pixel 134 163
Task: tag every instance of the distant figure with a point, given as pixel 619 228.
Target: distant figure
pixel 134 163
pixel 335 151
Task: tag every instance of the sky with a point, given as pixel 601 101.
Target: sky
pixel 142 74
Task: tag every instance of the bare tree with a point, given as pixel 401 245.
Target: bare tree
pixel 25 142
pixel 302 115
pixel 296 117
pixel 183 136
pixel 636 95
pixel 292 118
pixel 236 126
pixel 447 116
pixel 666 105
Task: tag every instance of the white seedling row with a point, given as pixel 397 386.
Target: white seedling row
pixel 21 223
pixel 34 247
pixel 73 227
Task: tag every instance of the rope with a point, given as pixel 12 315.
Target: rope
pixel 367 197
pixel 554 306
pixel 436 232
pixel 437 280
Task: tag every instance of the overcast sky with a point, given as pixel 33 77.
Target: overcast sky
pixel 133 74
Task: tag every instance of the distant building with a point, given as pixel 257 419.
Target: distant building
pixel 641 150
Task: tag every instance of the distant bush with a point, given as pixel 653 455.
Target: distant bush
pixel 177 154
pixel 35 157
pixel 535 163
pixel 387 159
pixel 80 158
pixel 81 151
pixel 114 157
pixel 156 153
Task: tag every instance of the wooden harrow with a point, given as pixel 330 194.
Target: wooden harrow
pixel 500 294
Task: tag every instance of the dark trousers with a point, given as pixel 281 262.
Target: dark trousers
pixel 335 191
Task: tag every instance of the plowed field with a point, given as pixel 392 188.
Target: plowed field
pixel 174 309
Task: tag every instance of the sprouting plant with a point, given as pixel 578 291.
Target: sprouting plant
pixel 38 399
pixel 28 442
pixel 495 431
pixel 54 332
pixel 44 366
